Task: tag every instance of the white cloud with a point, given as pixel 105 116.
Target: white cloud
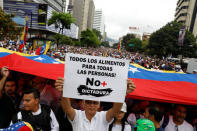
pixel 148 15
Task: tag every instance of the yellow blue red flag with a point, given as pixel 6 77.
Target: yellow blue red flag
pixel 24 36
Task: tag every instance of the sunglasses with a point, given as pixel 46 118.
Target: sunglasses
pixel 92 102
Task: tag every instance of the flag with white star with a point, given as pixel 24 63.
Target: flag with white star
pixel 161 86
pixel 20 126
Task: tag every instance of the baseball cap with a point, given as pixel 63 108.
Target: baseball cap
pixel 195 70
pixel 124 108
pixel 144 125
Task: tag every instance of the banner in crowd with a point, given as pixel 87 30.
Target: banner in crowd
pixel 43 49
pixel 95 78
pixel 41 66
pixel 24 36
pixel 181 36
pixel 164 87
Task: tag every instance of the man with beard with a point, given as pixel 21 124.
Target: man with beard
pixel 177 121
pixel 9 99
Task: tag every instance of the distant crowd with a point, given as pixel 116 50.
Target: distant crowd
pixel 148 62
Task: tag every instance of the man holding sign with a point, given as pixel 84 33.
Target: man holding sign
pixel 90 119
pixel 94 79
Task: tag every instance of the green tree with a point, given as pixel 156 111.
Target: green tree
pixel 145 45
pixel 8 28
pixel 134 45
pixel 89 39
pixel 98 34
pixel 126 39
pixel 57 38
pixel 165 41
pixel 115 45
pixel 77 43
pixel 105 44
pixel 61 20
pixel 65 40
pixel 131 43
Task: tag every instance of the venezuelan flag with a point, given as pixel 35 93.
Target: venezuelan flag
pixel 20 126
pixel 47 47
pixel 24 36
pixel 119 46
pixel 163 87
pixel 43 49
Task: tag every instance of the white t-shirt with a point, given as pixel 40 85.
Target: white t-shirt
pixel 183 127
pixel 98 122
pixel 119 127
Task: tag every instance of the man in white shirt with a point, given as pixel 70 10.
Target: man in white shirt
pixel 90 119
pixel 177 121
pixel 41 117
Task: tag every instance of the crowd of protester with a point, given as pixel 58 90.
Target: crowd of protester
pixel 39 101
pixel 148 62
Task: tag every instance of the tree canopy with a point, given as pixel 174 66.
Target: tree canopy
pixel 105 44
pixel 8 28
pixel 61 20
pixel 98 34
pixel 164 42
pixel 63 40
pixel 89 39
pixel 131 43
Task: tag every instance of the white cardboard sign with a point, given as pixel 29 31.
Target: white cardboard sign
pixel 95 78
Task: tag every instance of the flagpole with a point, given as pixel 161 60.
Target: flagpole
pixel 30 27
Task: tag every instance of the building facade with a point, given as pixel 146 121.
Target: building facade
pixel 99 21
pixel 1 4
pixel 104 34
pixel 81 11
pixel 91 14
pixel 186 13
pixel 57 5
pixel 38 13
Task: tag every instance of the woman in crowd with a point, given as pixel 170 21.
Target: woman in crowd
pixel 120 121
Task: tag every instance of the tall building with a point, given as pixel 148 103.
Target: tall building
pixel 81 11
pixel 1 4
pixel 186 12
pixel 91 14
pixel 99 21
pixel 104 34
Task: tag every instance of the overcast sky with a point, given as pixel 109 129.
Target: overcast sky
pixel 147 15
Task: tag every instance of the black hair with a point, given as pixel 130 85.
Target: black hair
pixel 178 105
pixel 154 110
pixel 11 79
pixel 123 122
pixel 35 92
pixel 14 80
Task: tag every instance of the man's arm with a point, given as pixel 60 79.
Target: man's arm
pixel 117 106
pixel 113 111
pixel 65 102
pixel 4 73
